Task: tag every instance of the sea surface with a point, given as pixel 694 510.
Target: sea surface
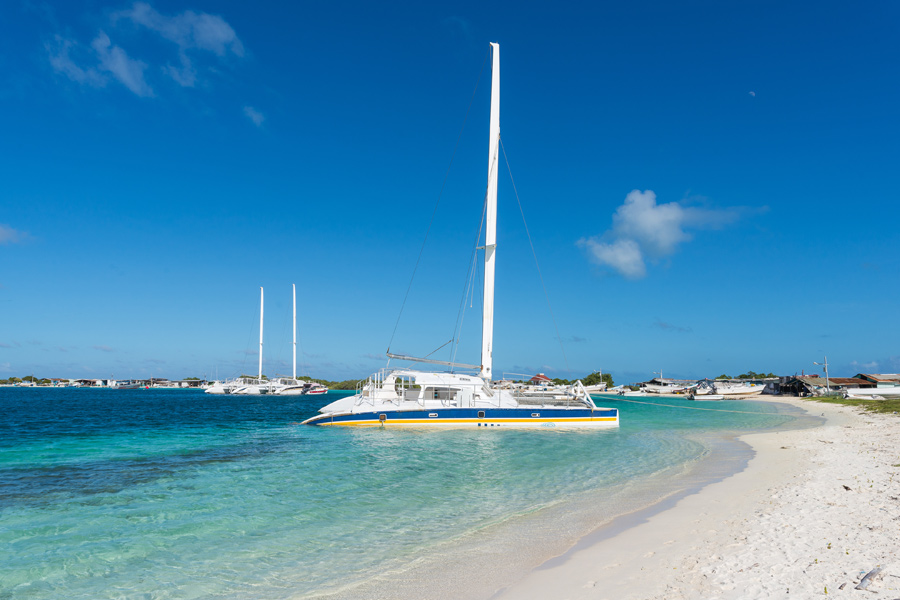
pixel 177 494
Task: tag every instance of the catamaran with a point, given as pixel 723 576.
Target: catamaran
pixel 293 386
pixel 407 397
pixel 247 385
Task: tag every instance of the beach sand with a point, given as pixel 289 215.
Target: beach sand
pixel 814 511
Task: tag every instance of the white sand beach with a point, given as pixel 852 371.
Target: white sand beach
pixel 815 511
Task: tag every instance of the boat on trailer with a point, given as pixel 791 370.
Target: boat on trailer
pixel 407 397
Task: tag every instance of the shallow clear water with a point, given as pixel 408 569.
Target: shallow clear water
pixel 179 494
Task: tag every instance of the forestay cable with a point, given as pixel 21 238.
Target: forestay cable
pixel 540 275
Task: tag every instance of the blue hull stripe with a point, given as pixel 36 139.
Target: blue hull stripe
pixel 469 416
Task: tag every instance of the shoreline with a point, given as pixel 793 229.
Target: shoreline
pixel 785 526
pixel 507 552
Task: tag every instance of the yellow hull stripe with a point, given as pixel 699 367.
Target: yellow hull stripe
pixel 376 423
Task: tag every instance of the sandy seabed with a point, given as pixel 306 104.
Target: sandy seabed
pixel 813 513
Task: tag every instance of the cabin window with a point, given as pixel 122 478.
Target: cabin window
pixel 535 414
pixel 382 417
pixel 440 393
pixel 480 414
pixel 432 415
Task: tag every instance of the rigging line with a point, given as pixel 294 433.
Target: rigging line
pixel 540 275
pixel 441 193
pixel 438 348
pixel 470 282
pixel 742 412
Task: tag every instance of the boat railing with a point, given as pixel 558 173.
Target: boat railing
pixel 575 394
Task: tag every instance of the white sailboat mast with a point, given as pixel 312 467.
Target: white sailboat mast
pixel 490 235
pixel 260 331
pixel 294 285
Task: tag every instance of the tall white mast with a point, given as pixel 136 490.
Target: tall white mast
pixel 490 234
pixel 260 330
pixel 294 285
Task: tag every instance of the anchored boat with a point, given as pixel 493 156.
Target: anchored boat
pixel 407 397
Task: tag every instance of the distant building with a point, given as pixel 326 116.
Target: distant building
pixel 540 379
pixel 880 379
pixel 811 385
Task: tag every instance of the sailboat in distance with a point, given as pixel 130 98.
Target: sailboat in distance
pixel 406 397
pixel 294 386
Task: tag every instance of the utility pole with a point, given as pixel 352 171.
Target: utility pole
pixel 825 364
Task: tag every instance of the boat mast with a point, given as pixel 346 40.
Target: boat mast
pixel 490 233
pixel 260 331
pixel 294 285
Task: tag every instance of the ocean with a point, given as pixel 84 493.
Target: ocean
pixel 177 494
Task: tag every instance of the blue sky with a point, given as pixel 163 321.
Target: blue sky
pixel 709 187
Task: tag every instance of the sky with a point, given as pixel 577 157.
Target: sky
pixel 707 187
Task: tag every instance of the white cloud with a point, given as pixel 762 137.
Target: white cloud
pixel 128 71
pixel 191 32
pixel 643 229
pixel 188 30
pixel 103 57
pixel 622 255
pixel 890 364
pixel 656 227
pixel 63 63
pixel 8 235
pixel 254 115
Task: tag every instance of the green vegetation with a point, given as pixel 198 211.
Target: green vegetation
pixel 595 378
pixel 592 379
pixel 888 406
pixel 749 375
pixel 348 384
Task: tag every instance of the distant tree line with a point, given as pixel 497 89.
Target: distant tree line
pixel 30 378
pixel 749 375
pixel 592 379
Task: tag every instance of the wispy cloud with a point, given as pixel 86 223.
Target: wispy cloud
pixel 670 327
pixel 8 235
pixel 102 348
pixel 459 27
pixel 95 65
pixel 254 115
pixel 188 31
pixel 194 35
pixel 127 71
pixel 62 62
pixel 643 230
pixel 890 364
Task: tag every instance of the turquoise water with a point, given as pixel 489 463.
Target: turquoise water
pixel 179 494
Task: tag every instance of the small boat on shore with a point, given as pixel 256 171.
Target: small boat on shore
pixel 700 397
pixel 738 389
pixel 875 393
